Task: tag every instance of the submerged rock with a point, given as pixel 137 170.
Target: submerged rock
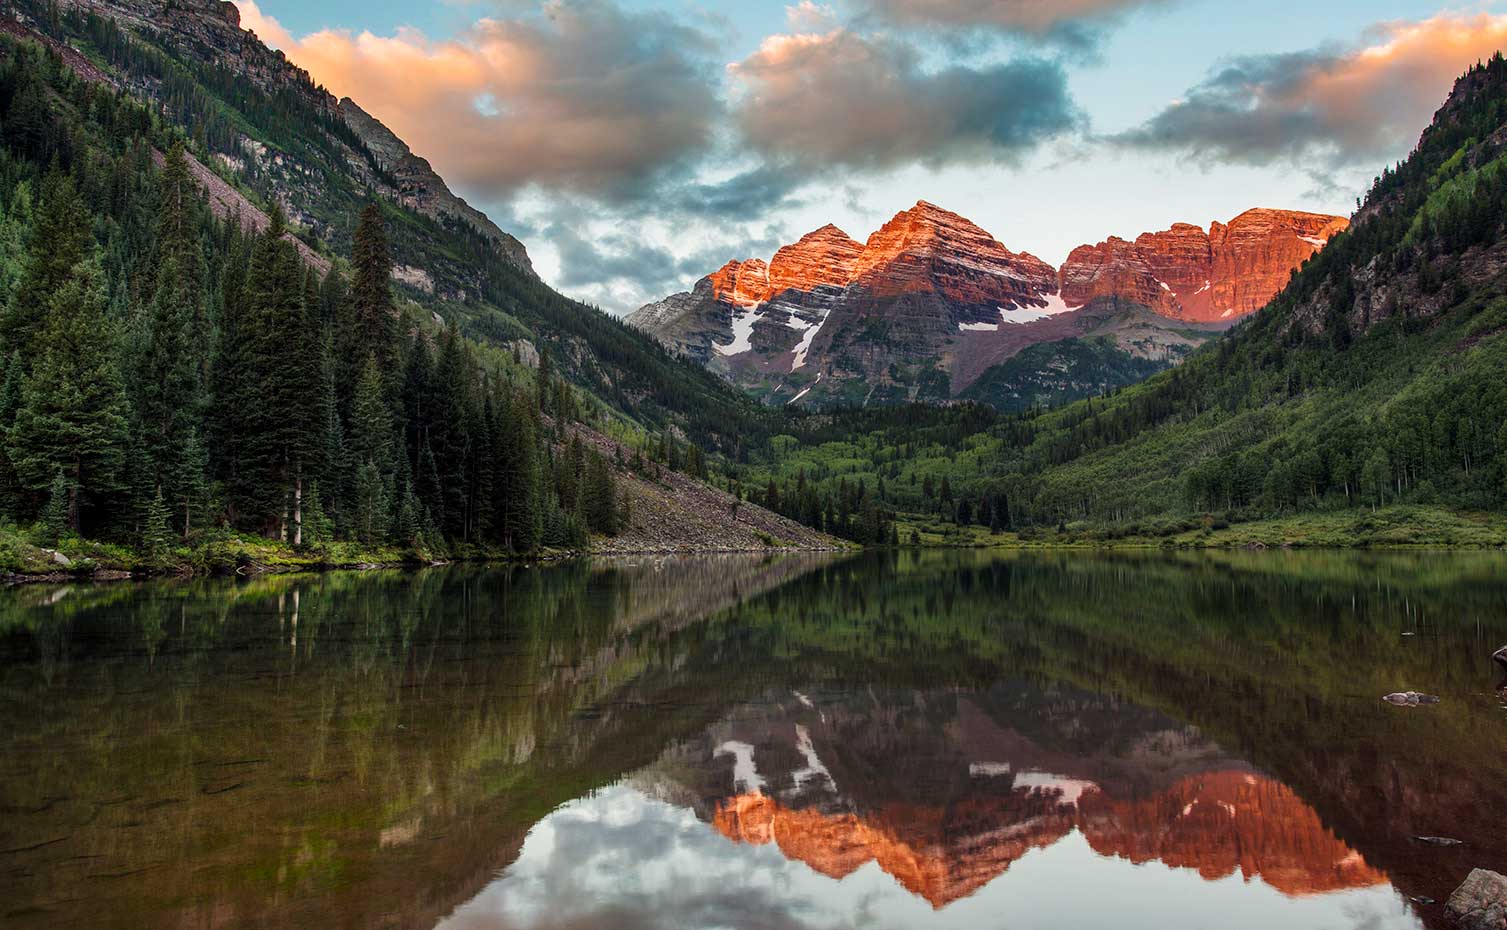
pixel 1439 840
pixel 1480 903
pixel 1410 699
pixel 1501 657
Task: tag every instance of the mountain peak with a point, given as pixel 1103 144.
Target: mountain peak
pixel 1208 277
pixel 928 248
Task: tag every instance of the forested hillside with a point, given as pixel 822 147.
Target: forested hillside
pixel 166 375
pixel 260 122
pixel 1377 377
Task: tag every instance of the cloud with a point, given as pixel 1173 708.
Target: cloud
pixel 851 100
pixel 623 269
pixel 584 97
pixel 808 16
pixel 1327 107
pixel 1074 21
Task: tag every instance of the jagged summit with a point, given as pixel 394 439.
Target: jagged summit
pixel 1186 273
pixel 209 32
pixel 418 186
pixel 931 292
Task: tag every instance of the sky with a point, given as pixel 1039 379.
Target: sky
pixel 637 145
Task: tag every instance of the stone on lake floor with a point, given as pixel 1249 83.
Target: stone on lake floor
pixel 1410 698
pixel 1501 656
pixel 1480 903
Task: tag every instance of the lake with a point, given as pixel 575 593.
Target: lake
pixel 893 740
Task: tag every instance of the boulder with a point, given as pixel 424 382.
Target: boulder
pixel 59 558
pixel 1480 903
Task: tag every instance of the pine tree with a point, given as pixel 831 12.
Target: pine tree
pixel 450 436
pixel 10 403
pixel 55 513
pixel 370 436
pixel 599 495
pixel 156 534
pixel 369 507
pixel 284 364
pixel 232 377
pixel 373 323
pixel 319 527
pixel 189 478
pixel 59 243
pixel 73 408
pixel 518 492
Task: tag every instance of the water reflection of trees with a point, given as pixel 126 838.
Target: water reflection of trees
pixel 365 750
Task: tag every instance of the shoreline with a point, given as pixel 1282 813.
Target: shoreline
pixel 1397 529
pixel 93 573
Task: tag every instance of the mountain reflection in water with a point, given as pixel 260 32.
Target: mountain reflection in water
pixel 911 740
pixel 943 799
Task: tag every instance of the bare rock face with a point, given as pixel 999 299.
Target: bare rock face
pixel 420 188
pixel 1185 273
pixel 932 302
pixel 741 283
pixel 929 250
pixel 824 258
pixel 210 31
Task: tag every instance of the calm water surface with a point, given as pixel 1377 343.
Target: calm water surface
pixel 892 741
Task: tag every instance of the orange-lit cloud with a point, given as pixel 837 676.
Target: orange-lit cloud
pixel 586 97
pixel 845 99
pixel 1332 106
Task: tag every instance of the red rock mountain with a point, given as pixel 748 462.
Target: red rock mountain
pixel 1216 823
pixel 932 303
pixel 928 250
pixel 946 791
pixel 1185 273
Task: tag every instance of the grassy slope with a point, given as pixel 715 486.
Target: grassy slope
pixel 1400 526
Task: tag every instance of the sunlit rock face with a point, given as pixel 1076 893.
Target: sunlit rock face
pixel 1223 823
pixel 1185 273
pixel 931 302
pixel 969 784
pixel 929 250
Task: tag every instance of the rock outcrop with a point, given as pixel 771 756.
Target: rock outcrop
pixel 931 302
pixel 209 32
pixel 1185 273
pixel 1480 903
pixel 419 188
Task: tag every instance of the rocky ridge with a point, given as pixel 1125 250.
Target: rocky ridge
pixel 932 302
pixel 974 794
pixel 1185 273
pixel 209 32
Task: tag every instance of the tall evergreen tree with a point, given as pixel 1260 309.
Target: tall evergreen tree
pixel 373 323
pixel 10 403
pixel 599 495
pixel 73 415
pixel 517 477
pixel 168 375
pixel 59 241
